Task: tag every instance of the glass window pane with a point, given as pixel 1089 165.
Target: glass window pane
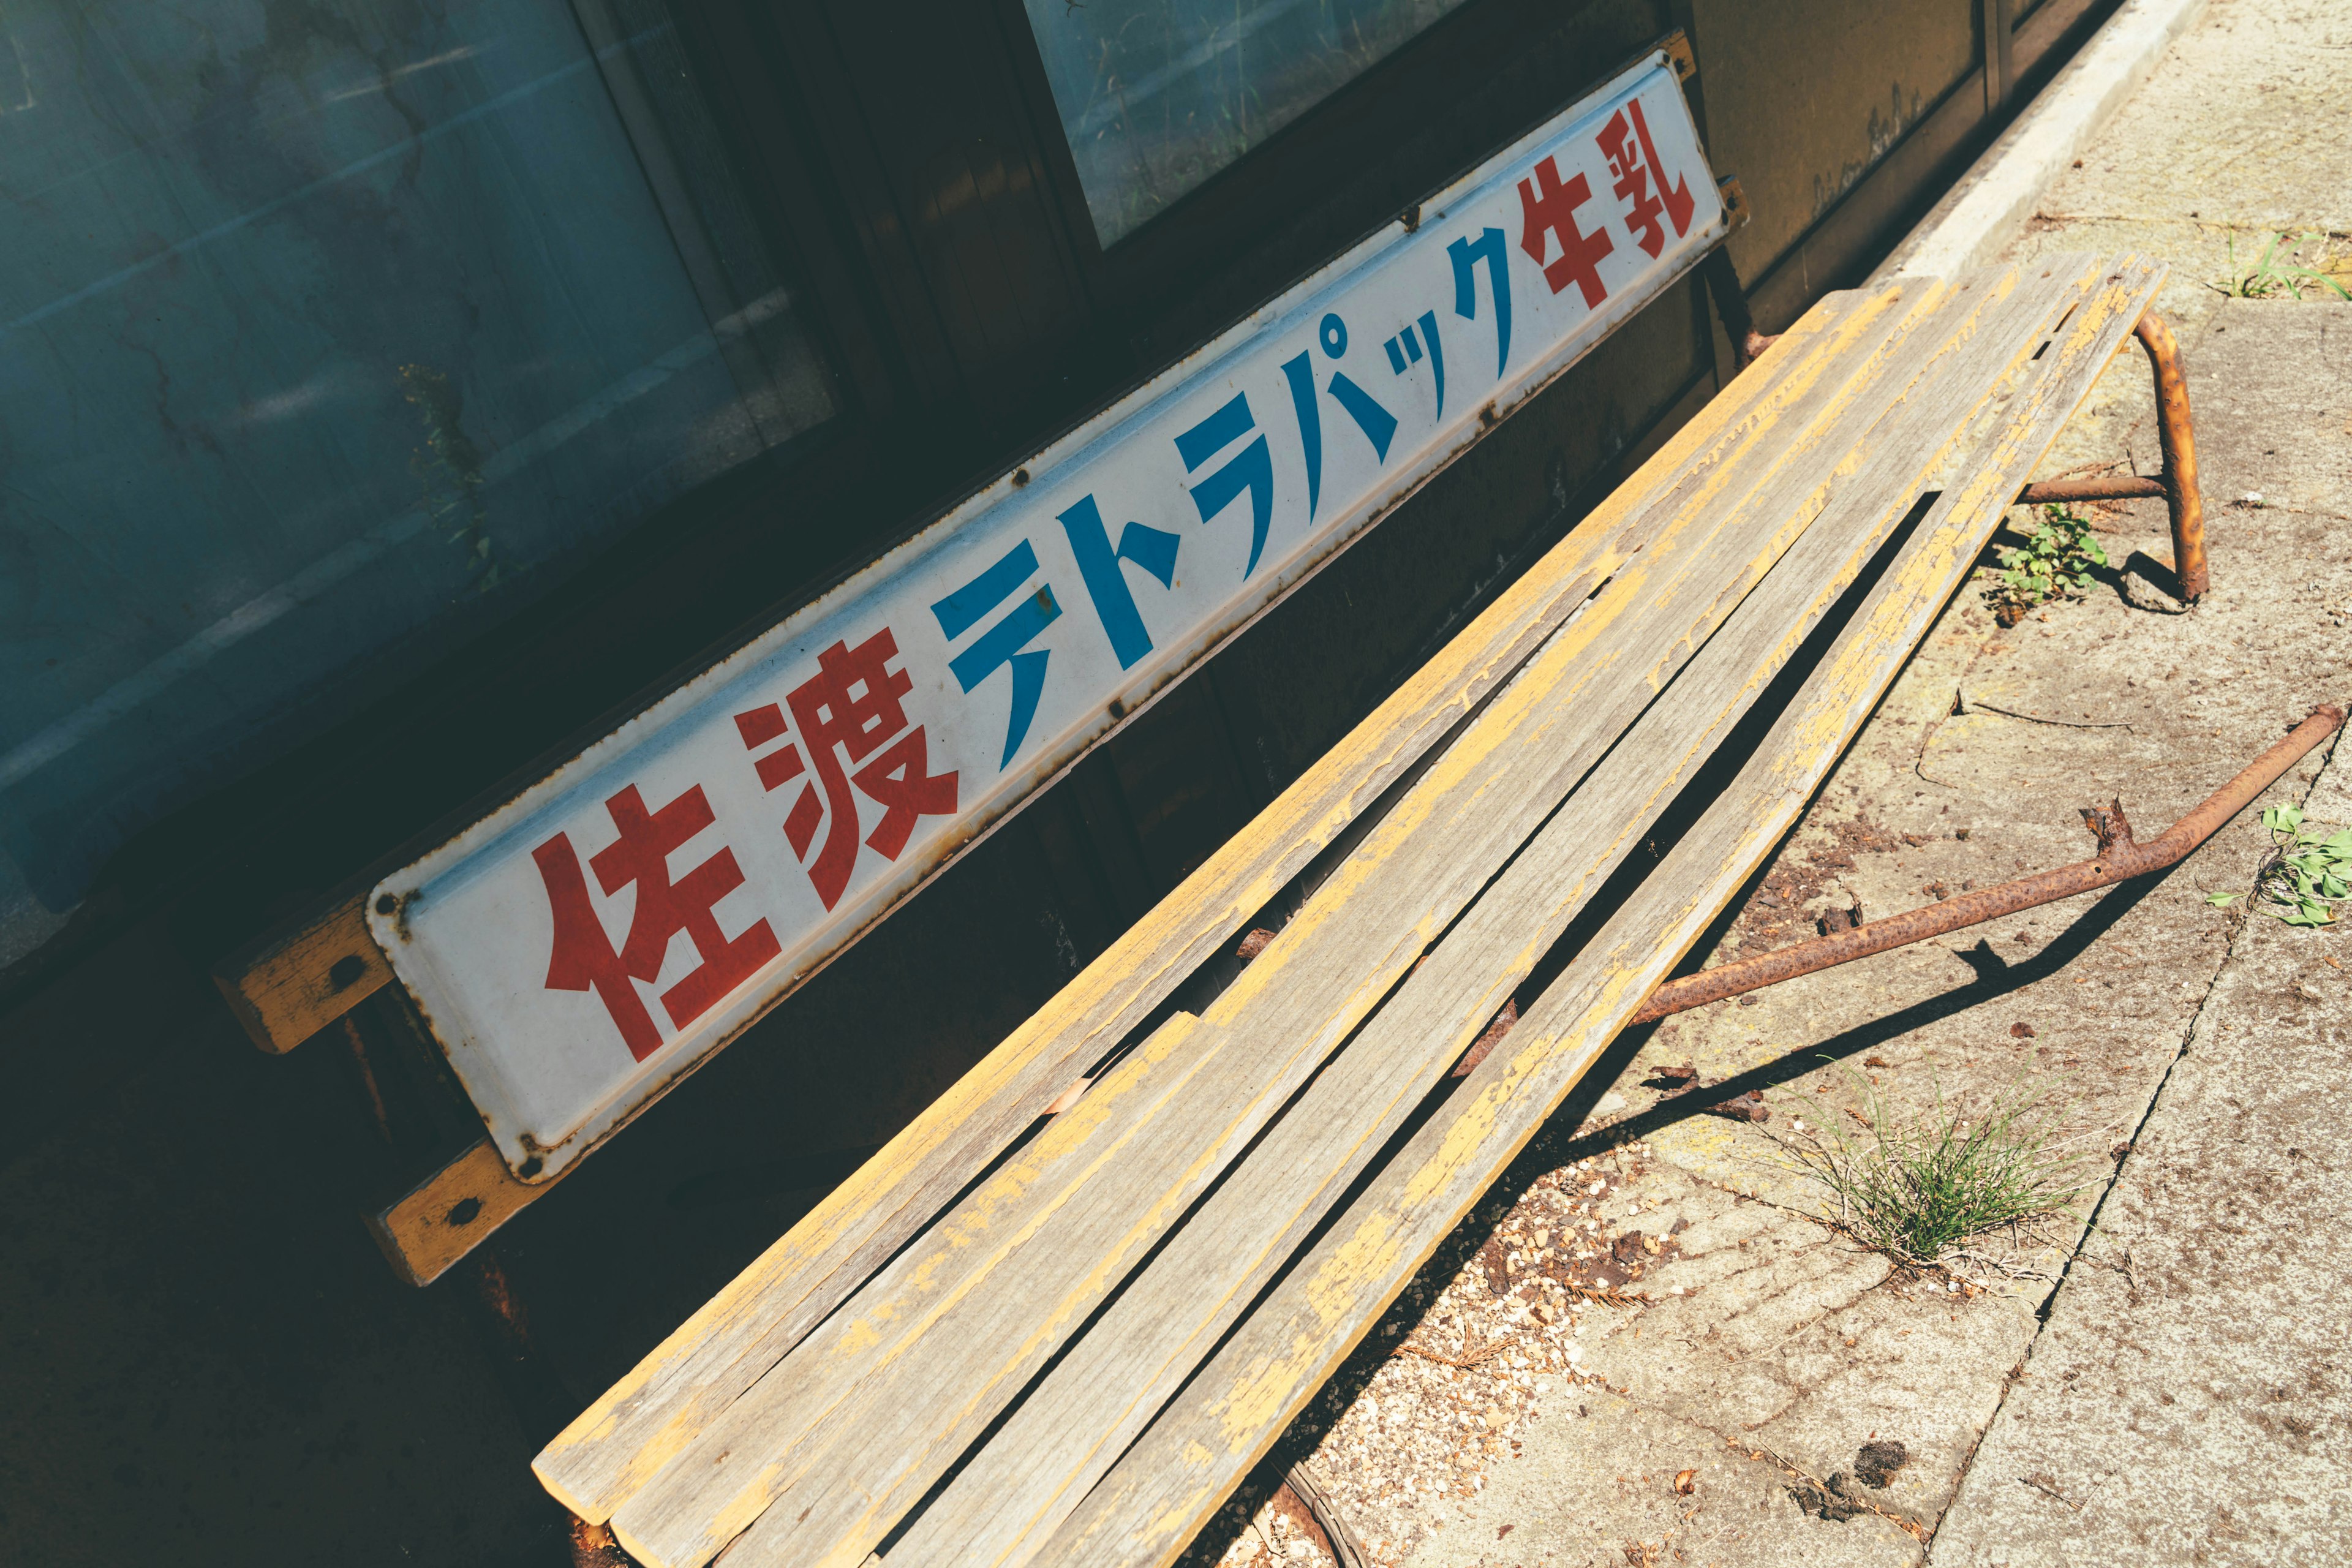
pixel 1158 95
pixel 329 334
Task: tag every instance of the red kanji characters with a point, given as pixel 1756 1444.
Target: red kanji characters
pixel 852 703
pixel 1555 210
pixel 583 956
pixel 1635 171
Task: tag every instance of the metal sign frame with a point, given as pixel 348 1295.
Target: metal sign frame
pixel 579 950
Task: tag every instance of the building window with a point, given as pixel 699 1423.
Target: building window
pixel 332 334
pixel 1156 96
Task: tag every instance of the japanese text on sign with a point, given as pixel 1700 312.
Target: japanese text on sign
pixel 579 949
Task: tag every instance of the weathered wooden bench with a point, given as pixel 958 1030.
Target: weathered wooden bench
pixel 1101 1320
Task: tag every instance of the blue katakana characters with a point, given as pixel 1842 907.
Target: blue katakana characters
pixel 1003 643
pixel 1404 352
pixel 1154 549
pixel 1377 423
pixel 1300 374
pixel 1251 469
pixel 1466 254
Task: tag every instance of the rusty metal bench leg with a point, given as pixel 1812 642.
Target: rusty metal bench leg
pixel 2180 476
pixel 1731 306
pixel 2176 486
pixel 593 1546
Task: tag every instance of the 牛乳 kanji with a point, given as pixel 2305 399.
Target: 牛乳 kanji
pixel 1642 182
pixel 1546 205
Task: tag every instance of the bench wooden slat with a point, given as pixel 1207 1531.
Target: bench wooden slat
pixel 647 1417
pixel 1342 952
pixel 906 1437
pixel 1159 1126
pixel 1012 1494
pixel 1160 1493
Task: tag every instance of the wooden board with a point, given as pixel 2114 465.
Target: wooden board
pixel 1339 1007
pixel 291 986
pixel 447 1214
pixel 1161 1123
pixel 1069 1430
pixel 1413 874
pixel 1861 489
pixel 643 1421
pixel 1203 1443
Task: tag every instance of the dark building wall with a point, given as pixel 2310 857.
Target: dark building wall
pixel 204 1360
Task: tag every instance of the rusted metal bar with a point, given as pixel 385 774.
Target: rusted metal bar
pixel 2176 486
pixel 593 1546
pixel 1731 305
pixel 2179 444
pixel 2119 860
pixel 2125 487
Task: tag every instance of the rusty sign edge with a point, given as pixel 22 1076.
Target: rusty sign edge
pixel 474 849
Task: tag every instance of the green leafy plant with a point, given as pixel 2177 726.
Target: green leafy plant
pixel 1917 1189
pixel 2054 562
pixel 2308 872
pixel 2272 275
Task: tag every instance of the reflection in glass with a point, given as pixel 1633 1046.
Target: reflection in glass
pixel 329 334
pixel 1158 95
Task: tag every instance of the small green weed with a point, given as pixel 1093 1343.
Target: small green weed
pixel 2273 275
pixel 2308 873
pixel 2055 564
pixel 1917 1190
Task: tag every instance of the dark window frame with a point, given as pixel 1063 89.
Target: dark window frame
pixel 702 576
pixel 1368 152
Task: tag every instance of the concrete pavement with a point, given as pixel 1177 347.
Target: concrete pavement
pixel 2155 1377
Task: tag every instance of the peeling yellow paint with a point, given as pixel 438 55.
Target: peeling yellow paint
pixel 1898 616
pixel 675 1392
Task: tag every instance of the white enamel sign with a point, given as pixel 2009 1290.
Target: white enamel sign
pixel 579 950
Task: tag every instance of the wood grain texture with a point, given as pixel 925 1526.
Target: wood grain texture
pixel 1367 924
pixel 291 984
pixel 644 1420
pixel 1388 900
pixel 1203 1443
pixel 984 1295
pixel 449 1213
pixel 1009 1497
pixel 1067 1431
pixel 1338 994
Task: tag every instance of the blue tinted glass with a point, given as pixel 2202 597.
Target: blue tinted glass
pixel 329 334
pixel 1158 95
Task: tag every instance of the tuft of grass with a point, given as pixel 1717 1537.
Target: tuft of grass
pixel 2054 562
pixel 1918 1188
pixel 2307 874
pixel 2274 275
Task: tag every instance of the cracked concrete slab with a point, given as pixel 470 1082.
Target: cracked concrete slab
pixel 1604 1491
pixel 2191 1401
